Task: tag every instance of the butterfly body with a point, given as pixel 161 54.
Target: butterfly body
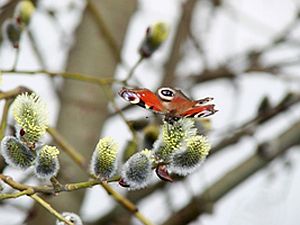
pixel 168 101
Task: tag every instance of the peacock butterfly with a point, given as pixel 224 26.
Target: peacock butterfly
pixel 172 103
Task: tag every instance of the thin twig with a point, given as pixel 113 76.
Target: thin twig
pixel 36 49
pixel 56 184
pixel 50 209
pixel 132 70
pixel 181 35
pixel 4 118
pixel 17 54
pixel 13 92
pixel 46 189
pixel 104 30
pixel 131 207
pixel 248 127
pixel 73 76
pixel 30 190
pixel 15 195
pixel 111 98
pixel 72 152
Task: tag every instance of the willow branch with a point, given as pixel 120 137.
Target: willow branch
pixel 73 76
pixel 98 18
pixel 13 92
pixel 68 148
pixel 75 186
pixel 36 49
pixel 3 123
pixel 111 98
pixel 180 36
pixel 50 209
pixel 131 207
pixel 252 57
pixel 248 127
pixel 126 203
pixel 45 189
pixel 15 195
pixel 30 190
pixel 265 153
pixel 132 70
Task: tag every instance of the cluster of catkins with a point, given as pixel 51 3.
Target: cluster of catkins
pixel 179 150
pixel 25 150
pixel 13 27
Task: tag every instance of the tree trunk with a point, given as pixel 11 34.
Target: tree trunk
pixel 83 105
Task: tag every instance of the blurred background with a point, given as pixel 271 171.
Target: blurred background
pixel 245 54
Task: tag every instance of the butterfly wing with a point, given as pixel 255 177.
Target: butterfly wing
pixel 179 103
pixel 199 111
pixel 142 97
pixel 185 107
pixel 170 102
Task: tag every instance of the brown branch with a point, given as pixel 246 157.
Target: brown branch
pixel 79 160
pixel 3 123
pixel 68 149
pixel 180 36
pixel 13 92
pixel 104 30
pixel 32 190
pixel 50 209
pixel 248 127
pixel 73 76
pixel 222 72
pixel 45 189
pixel 252 57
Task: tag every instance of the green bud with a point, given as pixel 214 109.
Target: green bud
pixel 24 11
pixel 31 114
pixel 103 163
pixel 172 136
pixel 137 171
pixel 47 164
pixel 16 154
pixel 72 217
pixel 12 32
pixel 190 156
pixel 156 34
pixel 264 106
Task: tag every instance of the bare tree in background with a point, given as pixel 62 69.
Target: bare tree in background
pixel 96 53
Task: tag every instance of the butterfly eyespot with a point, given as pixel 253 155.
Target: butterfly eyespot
pixel 130 97
pixel 166 93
